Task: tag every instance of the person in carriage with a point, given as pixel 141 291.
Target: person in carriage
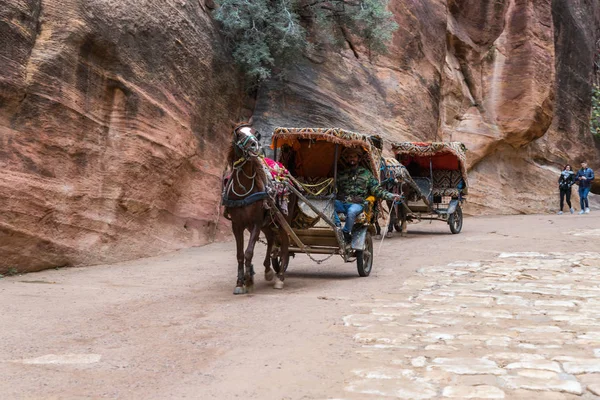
pixel 354 184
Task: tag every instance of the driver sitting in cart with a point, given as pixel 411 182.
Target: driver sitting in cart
pixel 354 184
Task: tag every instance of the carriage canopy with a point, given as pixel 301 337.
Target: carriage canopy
pixel 314 149
pixel 438 156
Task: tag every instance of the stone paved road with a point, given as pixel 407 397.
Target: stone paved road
pixel 434 319
pixel 505 328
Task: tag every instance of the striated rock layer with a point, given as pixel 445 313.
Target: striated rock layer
pixel 509 78
pixel 114 117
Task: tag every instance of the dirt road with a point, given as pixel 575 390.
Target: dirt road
pixel 169 327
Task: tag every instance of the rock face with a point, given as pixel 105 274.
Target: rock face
pixel 114 117
pixel 509 78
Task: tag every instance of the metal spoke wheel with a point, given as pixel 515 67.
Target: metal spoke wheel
pixel 456 220
pixel 364 258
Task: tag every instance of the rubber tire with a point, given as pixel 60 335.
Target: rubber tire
pixel 455 220
pixel 364 258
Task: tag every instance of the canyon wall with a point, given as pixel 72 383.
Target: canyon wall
pixel 115 116
pixel 509 78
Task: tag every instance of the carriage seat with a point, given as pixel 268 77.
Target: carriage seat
pixel 446 183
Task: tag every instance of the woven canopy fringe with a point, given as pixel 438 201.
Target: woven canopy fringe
pixel 339 136
pixel 426 149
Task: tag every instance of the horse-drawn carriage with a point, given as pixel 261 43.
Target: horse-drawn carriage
pixel 292 199
pixel 313 158
pixel 438 183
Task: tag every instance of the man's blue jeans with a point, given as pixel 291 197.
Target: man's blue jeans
pixel 583 197
pixel 351 210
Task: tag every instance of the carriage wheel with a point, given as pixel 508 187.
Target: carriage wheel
pixel 364 258
pixel 456 220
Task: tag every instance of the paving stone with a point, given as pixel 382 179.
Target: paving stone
pixel 582 366
pixel 536 373
pixel 536 364
pixel 594 388
pixel 362 320
pixel 472 392
pixel 489 313
pixel 399 388
pixel 555 303
pixel 521 382
pixel 440 320
pixel 390 312
pixel 418 361
pixel 537 329
pixel 513 300
pixel 440 348
pixel 588 379
pixel 590 335
pixel 522 394
pixel 467 366
pixel 381 338
pixel 384 373
pixel 507 356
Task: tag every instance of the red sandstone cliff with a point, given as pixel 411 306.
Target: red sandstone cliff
pixel 509 78
pixel 115 116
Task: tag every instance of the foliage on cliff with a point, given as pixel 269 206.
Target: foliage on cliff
pixel 595 117
pixel 267 36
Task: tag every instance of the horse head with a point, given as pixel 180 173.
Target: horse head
pixel 246 141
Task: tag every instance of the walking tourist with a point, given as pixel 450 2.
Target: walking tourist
pixel 565 181
pixel 584 179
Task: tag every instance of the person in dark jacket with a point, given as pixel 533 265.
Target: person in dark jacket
pixel 565 181
pixel 584 179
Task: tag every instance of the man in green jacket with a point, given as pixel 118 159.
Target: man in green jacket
pixel 354 185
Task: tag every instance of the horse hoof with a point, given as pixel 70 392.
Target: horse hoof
pixel 278 284
pixel 250 289
pixel 269 275
pixel 240 290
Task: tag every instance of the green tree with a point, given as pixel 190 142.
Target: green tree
pixel 266 36
pixel 595 117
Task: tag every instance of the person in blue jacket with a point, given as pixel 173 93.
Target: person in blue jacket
pixel 584 179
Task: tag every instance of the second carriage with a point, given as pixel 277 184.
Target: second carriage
pixel 435 185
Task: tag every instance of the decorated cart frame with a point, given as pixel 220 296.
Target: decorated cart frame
pixel 440 173
pixel 313 158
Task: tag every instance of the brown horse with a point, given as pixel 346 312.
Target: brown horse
pixel 249 205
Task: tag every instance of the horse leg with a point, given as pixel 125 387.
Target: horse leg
pixel 285 258
pixel 238 232
pixel 249 275
pixel 269 274
pixel 393 218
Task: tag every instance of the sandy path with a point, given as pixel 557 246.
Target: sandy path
pixel 169 327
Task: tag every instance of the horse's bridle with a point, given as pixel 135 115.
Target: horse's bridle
pixel 248 144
